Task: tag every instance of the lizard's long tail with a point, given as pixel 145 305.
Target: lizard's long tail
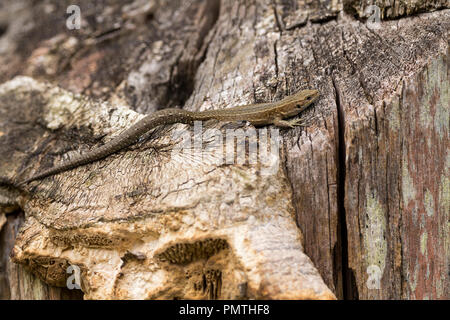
pixel 128 137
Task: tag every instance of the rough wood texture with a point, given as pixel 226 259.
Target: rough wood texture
pixel 390 9
pixel 16 282
pixel 368 179
pixel 156 223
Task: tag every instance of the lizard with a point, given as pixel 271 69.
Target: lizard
pixel 259 114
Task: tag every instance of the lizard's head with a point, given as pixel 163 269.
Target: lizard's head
pixel 296 103
pixel 304 98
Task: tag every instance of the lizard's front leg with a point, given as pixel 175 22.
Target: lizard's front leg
pixel 288 123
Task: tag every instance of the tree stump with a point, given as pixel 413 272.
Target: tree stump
pixel 354 206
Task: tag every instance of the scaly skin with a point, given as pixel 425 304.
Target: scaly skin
pixel 257 114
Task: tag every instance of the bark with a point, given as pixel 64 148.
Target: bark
pixel 362 190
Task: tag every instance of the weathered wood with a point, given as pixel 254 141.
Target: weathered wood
pixel 368 178
pixel 182 237
pixel 392 8
pixel 16 283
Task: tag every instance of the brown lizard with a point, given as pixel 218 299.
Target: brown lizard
pixel 257 114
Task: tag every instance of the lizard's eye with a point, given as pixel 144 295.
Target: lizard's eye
pixel 309 98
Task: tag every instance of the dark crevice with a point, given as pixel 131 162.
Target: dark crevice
pixel 324 20
pixel 276 62
pixel 348 292
pixel 376 120
pixel 105 34
pixel 149 17
pixel 277 18
pixel 182 74
pixel 3 29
